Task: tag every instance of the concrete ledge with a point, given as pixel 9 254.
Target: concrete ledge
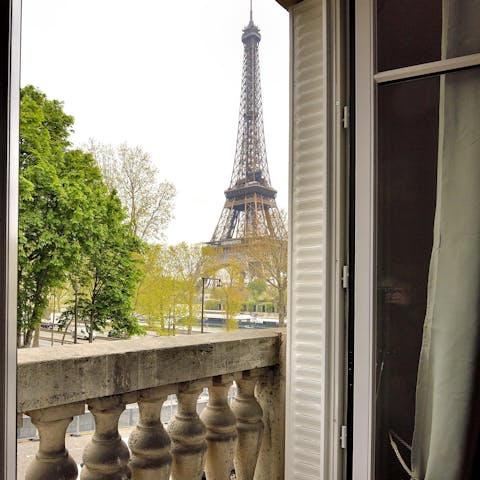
pixel 72 373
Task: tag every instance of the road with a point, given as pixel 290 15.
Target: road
pixel 47 338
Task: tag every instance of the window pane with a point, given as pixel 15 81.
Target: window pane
pixel 427 130
pixel 407 161
pixel 410 32
pixel 423 126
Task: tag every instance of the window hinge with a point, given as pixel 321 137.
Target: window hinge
pixel 346 117
pixel 343 436
pixel 345 274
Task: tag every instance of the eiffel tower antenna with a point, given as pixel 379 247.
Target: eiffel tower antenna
pixel 250 210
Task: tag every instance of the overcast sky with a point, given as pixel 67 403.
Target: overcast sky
pixel 165 75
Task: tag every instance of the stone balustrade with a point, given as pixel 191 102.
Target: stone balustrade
pixel 55 384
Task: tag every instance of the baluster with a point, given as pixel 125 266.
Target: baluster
pixel 221 431
pixel 106 455
pixel 149 442
pixel 188 435
pixel 249 427
pixel 270 394
pixel 52 459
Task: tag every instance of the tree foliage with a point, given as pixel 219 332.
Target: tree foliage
pixel 131 173
pixel 188 264
pixel 67 218
pixel 232 293
pixel 257 287
pixel 266 260
pixel 46 250
pixel 168 292
pixel 107 271
pixel 155 294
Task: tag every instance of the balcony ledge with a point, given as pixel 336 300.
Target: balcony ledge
pixel 55 376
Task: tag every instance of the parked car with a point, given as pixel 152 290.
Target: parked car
pixel 117 334
pixel 83 334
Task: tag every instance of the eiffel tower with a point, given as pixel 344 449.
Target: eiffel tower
pixel 250 211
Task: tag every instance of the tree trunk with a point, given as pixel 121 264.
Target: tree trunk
pixel 281 307
pixel 35 319
pixel 90 333
pixel 190 317
pixel 27 338
pixel 36 336
pixel 67 326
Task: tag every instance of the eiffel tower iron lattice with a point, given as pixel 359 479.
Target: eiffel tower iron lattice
pixel 250 211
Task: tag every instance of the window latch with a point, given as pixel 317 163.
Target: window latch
pixel 343 436
pixel 346 117
pixel 345 274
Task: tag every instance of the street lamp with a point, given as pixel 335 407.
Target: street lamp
pixel 217 284
pixel 75 289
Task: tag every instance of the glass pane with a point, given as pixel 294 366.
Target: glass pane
pixel 418 31
pixel 407 161
pixel 427 134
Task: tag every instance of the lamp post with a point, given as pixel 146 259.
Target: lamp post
pixel 75 287
pixel 205 280
pixel 53 318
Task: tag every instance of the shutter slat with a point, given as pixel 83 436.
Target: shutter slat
pixel 307 319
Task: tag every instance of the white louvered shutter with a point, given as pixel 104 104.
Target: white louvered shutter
pixel 306 395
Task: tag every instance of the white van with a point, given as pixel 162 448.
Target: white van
pixel 83 334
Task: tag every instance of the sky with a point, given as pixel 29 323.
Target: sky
pixel 165 75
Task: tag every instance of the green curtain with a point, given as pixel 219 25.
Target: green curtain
pixel 447 416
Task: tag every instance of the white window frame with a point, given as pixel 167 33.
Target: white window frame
pixel 9 134
pixel 321 123
pixel 364 341
pixel 366 81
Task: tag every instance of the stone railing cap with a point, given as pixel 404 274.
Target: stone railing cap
pixel 71 373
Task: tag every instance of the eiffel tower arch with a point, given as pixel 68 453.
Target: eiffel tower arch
pixel 250 212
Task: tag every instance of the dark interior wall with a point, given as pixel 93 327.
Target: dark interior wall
pixel 9 101
pixel 408 32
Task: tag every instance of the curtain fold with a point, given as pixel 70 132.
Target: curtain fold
pixel 447 416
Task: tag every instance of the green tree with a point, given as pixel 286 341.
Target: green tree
pixel 106 269
pixel 188 265
pixel 232 292
pixel 167 294
pixel 45 249
pixel 257 289
pixel 156 291
pixel 70 225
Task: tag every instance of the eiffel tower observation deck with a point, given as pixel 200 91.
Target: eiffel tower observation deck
pixel 250 211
